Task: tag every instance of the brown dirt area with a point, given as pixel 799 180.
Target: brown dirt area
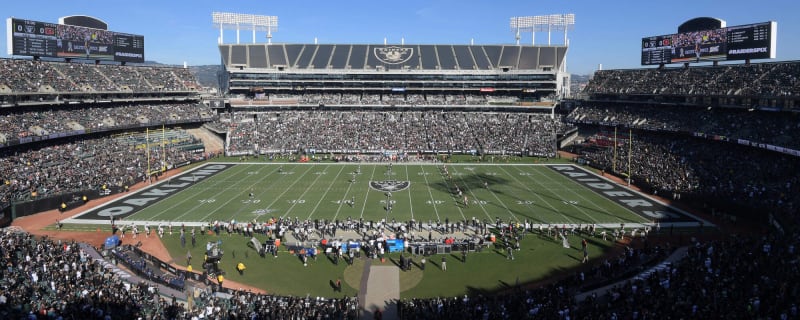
pixel 36 223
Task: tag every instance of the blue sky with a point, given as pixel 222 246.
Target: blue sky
pixel 606 32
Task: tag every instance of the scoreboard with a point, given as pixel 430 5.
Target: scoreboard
pixel 751 41
pixel 656 50
pixel 32 38
pixel 44 39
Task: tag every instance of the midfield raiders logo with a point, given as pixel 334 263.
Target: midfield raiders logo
pixel 394 55
pixel 389 185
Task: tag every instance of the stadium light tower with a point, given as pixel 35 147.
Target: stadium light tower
pixel 548 23
pixel 241 21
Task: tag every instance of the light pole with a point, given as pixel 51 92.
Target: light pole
pixel 241 21
pixel 546 23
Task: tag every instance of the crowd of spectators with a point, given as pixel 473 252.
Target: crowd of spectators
pixel 22 76
pixel 762 79
pixel 44 121
pixel 510 304
pixel 81 34
pixel 689 39
pixel 776 128
pixel 367 130
pixel 247 305
pixel 753 277
pixel 307 229
pixel 386 99
pixel 693 168
pixel 46 279
pixel 551 301
pixel 173 138
pixel 712 281
pixel 78 164
pixel 29 75
pixel 124 78
pixel 667 160
pixel 85 77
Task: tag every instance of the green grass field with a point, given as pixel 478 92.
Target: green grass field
pixel 486 271
pixel 515 192
pixel 323 191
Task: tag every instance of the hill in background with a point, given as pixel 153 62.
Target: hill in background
pixel 207 75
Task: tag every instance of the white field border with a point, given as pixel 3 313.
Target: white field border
pixel 74 220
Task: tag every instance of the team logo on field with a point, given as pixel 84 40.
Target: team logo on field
pixel 389 185
pixel 393 55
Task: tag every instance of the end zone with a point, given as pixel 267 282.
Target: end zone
pixel 633 200
pixel 130 204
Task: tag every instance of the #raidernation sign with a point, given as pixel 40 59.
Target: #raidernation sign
pixel 393 55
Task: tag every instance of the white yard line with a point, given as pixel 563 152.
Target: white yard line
pixel 411 203
pixel 187 198
pixel 504 204
pixel 326 192
pixel 341 202
pixel 366 194
pixel 304 192
pixel 233 198
pixel 598 207
pixel 433 201
pixel 474 198
pixel 532 191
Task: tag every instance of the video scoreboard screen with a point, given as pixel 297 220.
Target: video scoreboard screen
pixel 44 39
pixel 656 50
pixel 751 41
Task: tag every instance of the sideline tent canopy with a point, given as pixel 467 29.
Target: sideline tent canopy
pixel 112 242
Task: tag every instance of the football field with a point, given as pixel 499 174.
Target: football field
pixel 424 192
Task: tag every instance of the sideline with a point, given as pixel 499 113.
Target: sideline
pixel 35 224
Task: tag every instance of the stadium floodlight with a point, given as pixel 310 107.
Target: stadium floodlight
pixel 547 23
pixel 242 21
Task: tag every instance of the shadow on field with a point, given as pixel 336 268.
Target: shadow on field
pixel 469 182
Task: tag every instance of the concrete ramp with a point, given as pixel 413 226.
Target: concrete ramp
pixel 382 292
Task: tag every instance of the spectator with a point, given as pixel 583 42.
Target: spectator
pixel 474 132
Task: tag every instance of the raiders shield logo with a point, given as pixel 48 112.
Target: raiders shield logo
pixel 389 185
pixel 393 55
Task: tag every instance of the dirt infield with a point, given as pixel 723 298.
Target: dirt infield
pixel 35 224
